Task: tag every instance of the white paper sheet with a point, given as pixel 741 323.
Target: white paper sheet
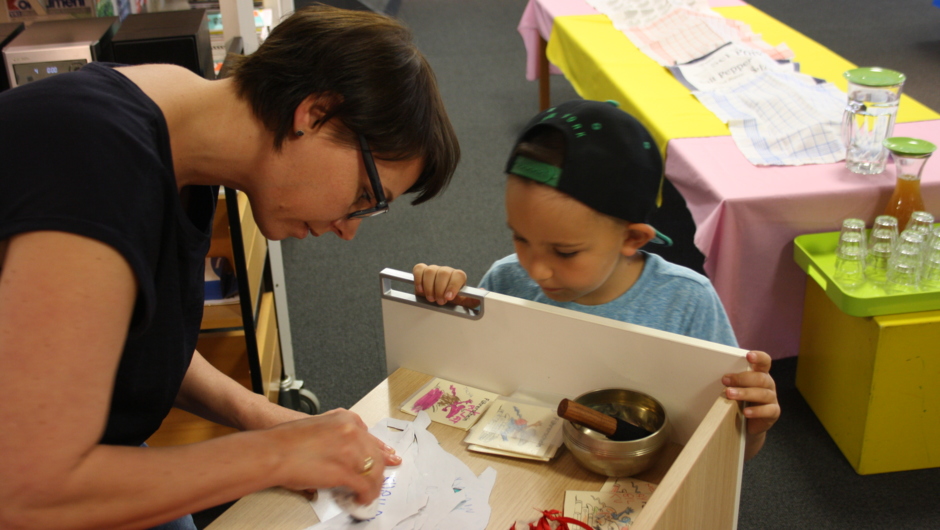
pixel 431 489
pixel 634 13
pixel 679 31
pixel 729 66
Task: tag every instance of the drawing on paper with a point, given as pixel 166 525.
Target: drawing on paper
pixel 516 428
pixel 450 403
pixel 615 507
pixel 519 428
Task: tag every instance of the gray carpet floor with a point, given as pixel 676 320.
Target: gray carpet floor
pixel 800 480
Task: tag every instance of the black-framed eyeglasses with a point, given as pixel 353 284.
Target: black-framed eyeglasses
pixel 381 205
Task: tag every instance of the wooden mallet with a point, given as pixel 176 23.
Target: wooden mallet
pixel 614 428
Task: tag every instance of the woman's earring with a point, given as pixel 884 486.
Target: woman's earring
pixel 299 133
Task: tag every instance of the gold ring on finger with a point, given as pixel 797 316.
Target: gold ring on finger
pixel 367 466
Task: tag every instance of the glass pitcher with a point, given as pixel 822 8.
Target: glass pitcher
pixel 873 96
pixel 910 155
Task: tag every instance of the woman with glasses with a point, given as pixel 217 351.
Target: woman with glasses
pixel 107 195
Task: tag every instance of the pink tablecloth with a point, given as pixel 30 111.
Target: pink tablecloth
pixel 746 218
pixel 537 21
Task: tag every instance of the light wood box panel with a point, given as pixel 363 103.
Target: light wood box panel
pixel 220 246
pixel 229 315
pixel 256 248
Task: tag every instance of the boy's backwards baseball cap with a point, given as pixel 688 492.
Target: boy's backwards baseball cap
pixel 612 164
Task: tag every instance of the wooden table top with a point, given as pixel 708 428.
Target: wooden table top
pixel 522 486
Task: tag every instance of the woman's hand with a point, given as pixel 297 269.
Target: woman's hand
pixel 757 388
pixel 332 449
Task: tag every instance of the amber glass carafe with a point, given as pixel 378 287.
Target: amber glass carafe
pixel 909 156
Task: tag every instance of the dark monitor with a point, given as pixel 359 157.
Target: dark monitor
pixel 170 37
pixel 8 30
pixel 389 7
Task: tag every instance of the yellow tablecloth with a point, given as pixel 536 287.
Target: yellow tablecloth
pixel 601 64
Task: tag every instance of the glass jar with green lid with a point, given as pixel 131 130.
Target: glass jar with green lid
pixel 873 97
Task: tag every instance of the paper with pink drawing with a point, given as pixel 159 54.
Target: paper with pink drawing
pixel 615 507
pixel 450 403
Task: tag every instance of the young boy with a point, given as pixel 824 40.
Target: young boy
pixel 584 178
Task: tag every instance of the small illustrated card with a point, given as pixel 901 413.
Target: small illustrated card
pixel 515 428
pixel 627 487
pixel 615 507
pixel 450 403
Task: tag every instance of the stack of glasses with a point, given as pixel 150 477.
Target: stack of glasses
pixel 903 263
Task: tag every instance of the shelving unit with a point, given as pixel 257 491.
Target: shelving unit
pixel 235 337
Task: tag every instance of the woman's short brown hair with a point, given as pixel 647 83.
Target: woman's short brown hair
pixel 383 87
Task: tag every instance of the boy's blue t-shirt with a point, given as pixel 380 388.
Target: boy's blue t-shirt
pixel 666 297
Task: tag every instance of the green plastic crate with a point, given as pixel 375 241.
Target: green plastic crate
pixel 815 254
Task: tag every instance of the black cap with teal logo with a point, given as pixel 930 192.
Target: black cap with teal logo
pixel 612 164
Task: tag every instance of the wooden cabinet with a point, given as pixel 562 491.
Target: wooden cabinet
pixel 225 339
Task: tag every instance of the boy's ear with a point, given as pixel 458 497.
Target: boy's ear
pixel 635 236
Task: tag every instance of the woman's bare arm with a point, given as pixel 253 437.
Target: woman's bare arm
pixel 65 305
pixel 210 394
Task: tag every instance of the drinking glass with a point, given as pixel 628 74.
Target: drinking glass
pixel 912 238
pixel 887 222
pixel 933 237
pixel 930 277
pixel 904 265
pixel 850 260
pixel 880 246
pixel 855 226
pixel 920 222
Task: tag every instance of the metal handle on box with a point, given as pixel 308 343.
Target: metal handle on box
pixel 389 275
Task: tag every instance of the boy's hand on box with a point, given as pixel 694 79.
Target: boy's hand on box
pixel 757 388
pixel 441 284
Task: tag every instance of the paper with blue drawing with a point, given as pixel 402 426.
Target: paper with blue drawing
pixel 615 507
pixel 519 429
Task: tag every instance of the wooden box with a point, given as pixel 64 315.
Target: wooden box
pixel 512 344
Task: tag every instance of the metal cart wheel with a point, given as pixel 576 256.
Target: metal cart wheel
pixel 308 402
pixel 294 396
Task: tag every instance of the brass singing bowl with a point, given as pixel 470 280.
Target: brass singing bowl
pixel 598 453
